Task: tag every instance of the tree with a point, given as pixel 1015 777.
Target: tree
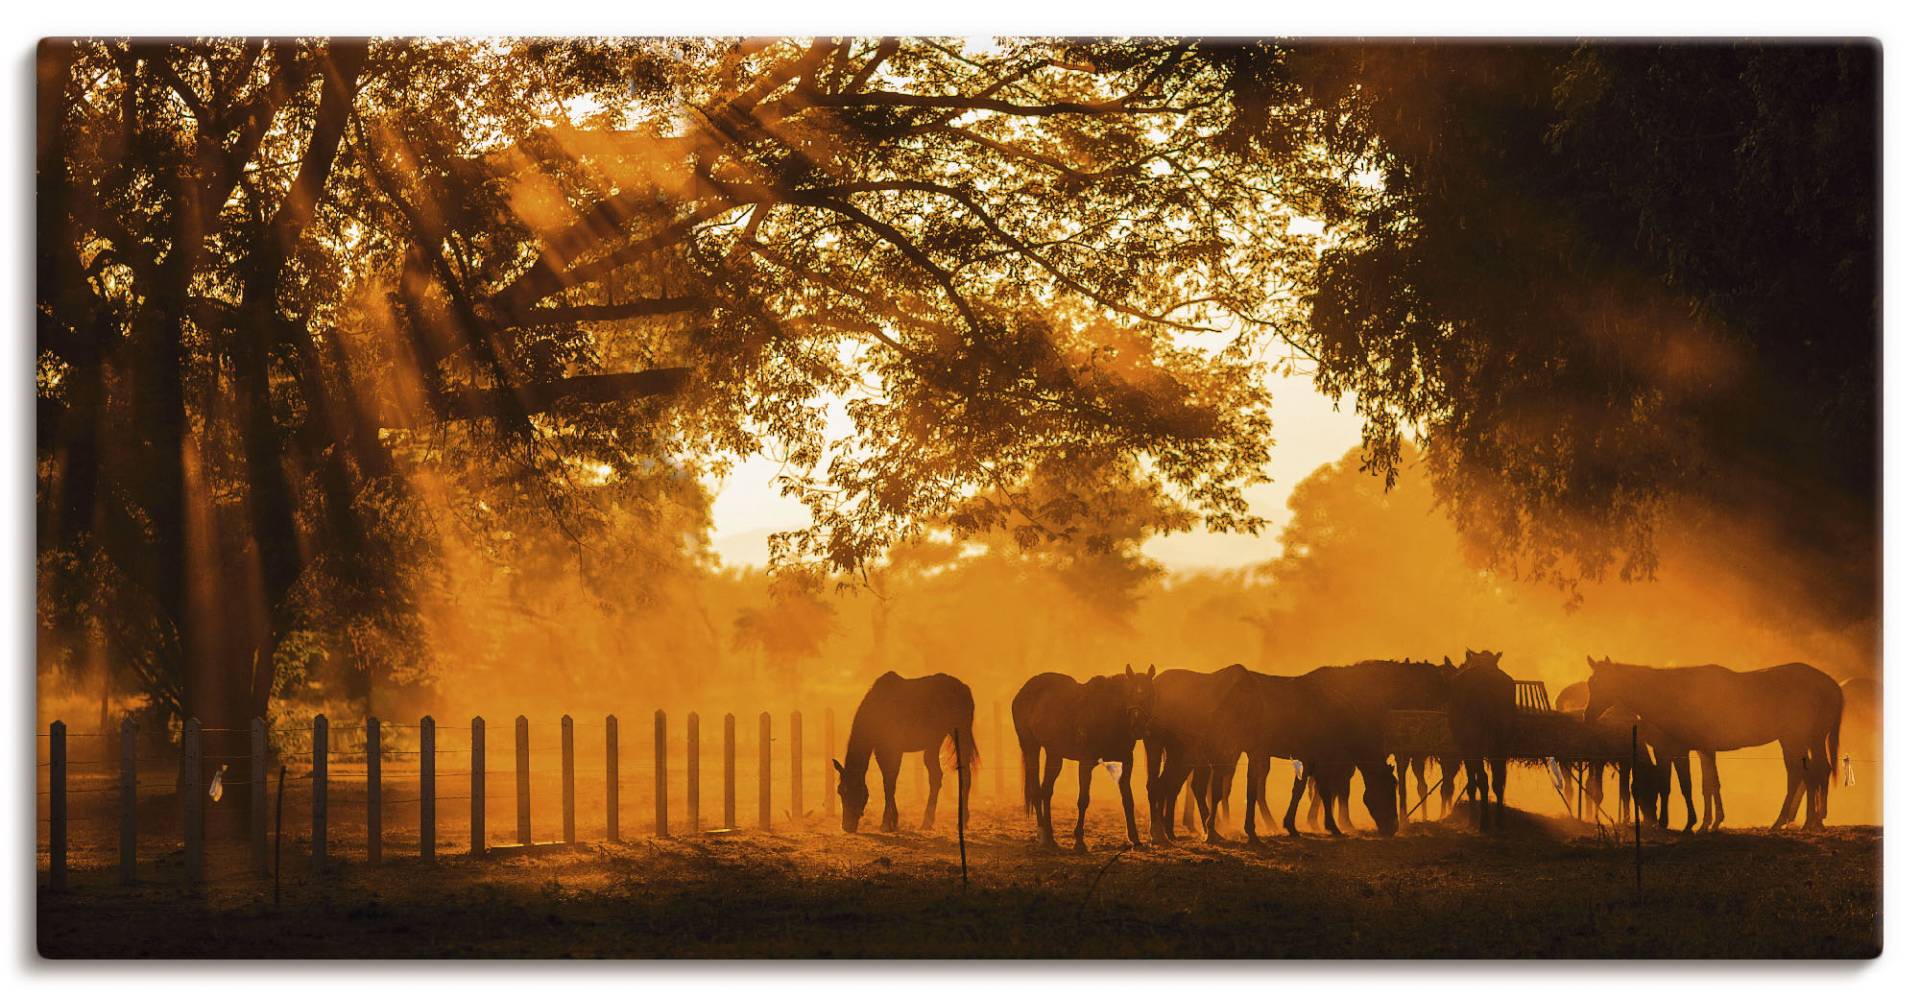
pixel 1597 279
pixel 300 301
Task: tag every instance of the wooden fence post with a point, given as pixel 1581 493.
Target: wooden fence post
pixel 613 779
pixel 320 745
pixel 477 795
pixel 566 778
pixel 693 772
pixel 57 805
pixel 726 774
pixel 660 773
pixel 190 804
pixel 428 843
pixel 129 799
pixel 827 779
pixel 799 770
pixel 766 771
pixel 257 788
pixel 373 790
pixel 522 783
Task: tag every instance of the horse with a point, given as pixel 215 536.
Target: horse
pixel 1712 708
pixel 1306 717
pixel 1480 713
pixel 899 716
pixel 1382 686
pixel 1089 722
pixel 1186 705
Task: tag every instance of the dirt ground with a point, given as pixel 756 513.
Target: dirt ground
pixel 1542 888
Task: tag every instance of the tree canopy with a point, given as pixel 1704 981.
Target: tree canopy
pixel 306 308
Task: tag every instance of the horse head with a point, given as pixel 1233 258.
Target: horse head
pixel 1605 687
pixel 1380 796
pixel 1137 695
pixel 853 798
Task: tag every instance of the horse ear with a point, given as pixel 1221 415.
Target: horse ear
pixel 1445 660
pixel 1497 655
pixel 1150 671
pixel 838 769
pixel 1590 664
pixel 1129 669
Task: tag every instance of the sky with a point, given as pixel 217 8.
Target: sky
pixel 1308 431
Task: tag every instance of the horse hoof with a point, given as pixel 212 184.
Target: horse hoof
pixel 1079 847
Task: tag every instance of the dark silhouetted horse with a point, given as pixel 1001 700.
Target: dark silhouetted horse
pixel 1089 722
pixel 1712 708
pixel 899 716
pixel 1480 713
pixel 1186 707
pixel 1306 717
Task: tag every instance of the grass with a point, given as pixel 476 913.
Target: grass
pixel 1542 888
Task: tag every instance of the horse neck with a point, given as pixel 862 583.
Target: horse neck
pixel 859 747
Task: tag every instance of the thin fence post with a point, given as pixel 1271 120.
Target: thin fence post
pixel 522 783
pixel 726 774
pixel 827 781
pixel 693 772
pixel 257 788
pixel 799 770
pixel 1635 803
pixel 766 771
pixel 57 805
pixel 320 745
pixel 660 773
pixel 477 794
pixel 129 799
pixel 613 779
pixel 428 843
pixel 566 778
pixel 373 791
pixel 190 804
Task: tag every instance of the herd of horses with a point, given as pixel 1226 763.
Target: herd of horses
pixel 1334 722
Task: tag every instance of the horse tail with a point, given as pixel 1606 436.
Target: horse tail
pixel 1029 762
pixel 1833 745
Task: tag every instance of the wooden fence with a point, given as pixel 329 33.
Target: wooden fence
pixel 355 767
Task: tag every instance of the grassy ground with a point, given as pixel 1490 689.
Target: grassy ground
pixel 1541 889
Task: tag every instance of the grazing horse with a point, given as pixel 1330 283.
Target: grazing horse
pixel 1306 717
pixel 1480 713
pixel 1186 705
pixel 1089 722
pixel 899 716
pixel 1712 708
pixel 1381 686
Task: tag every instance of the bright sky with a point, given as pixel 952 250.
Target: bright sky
pixel 1307 432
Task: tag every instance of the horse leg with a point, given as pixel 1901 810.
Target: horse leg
pixel 1343 794
pixel 1818 769
pixel 1709 790
pixel 1420 782
pixel 1050 775
pixel 1499 766
pixel 889 778
pixel 1323 787
pixel 1313 799
pixel 1449 784
pixel 1256 789
pixel 1186 812
pixel 1126 801
pixel 1400 783
pixel 1293 805
pixel 1795 774
pixel 933 787
pixel 1683 773
pixel 1086 793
